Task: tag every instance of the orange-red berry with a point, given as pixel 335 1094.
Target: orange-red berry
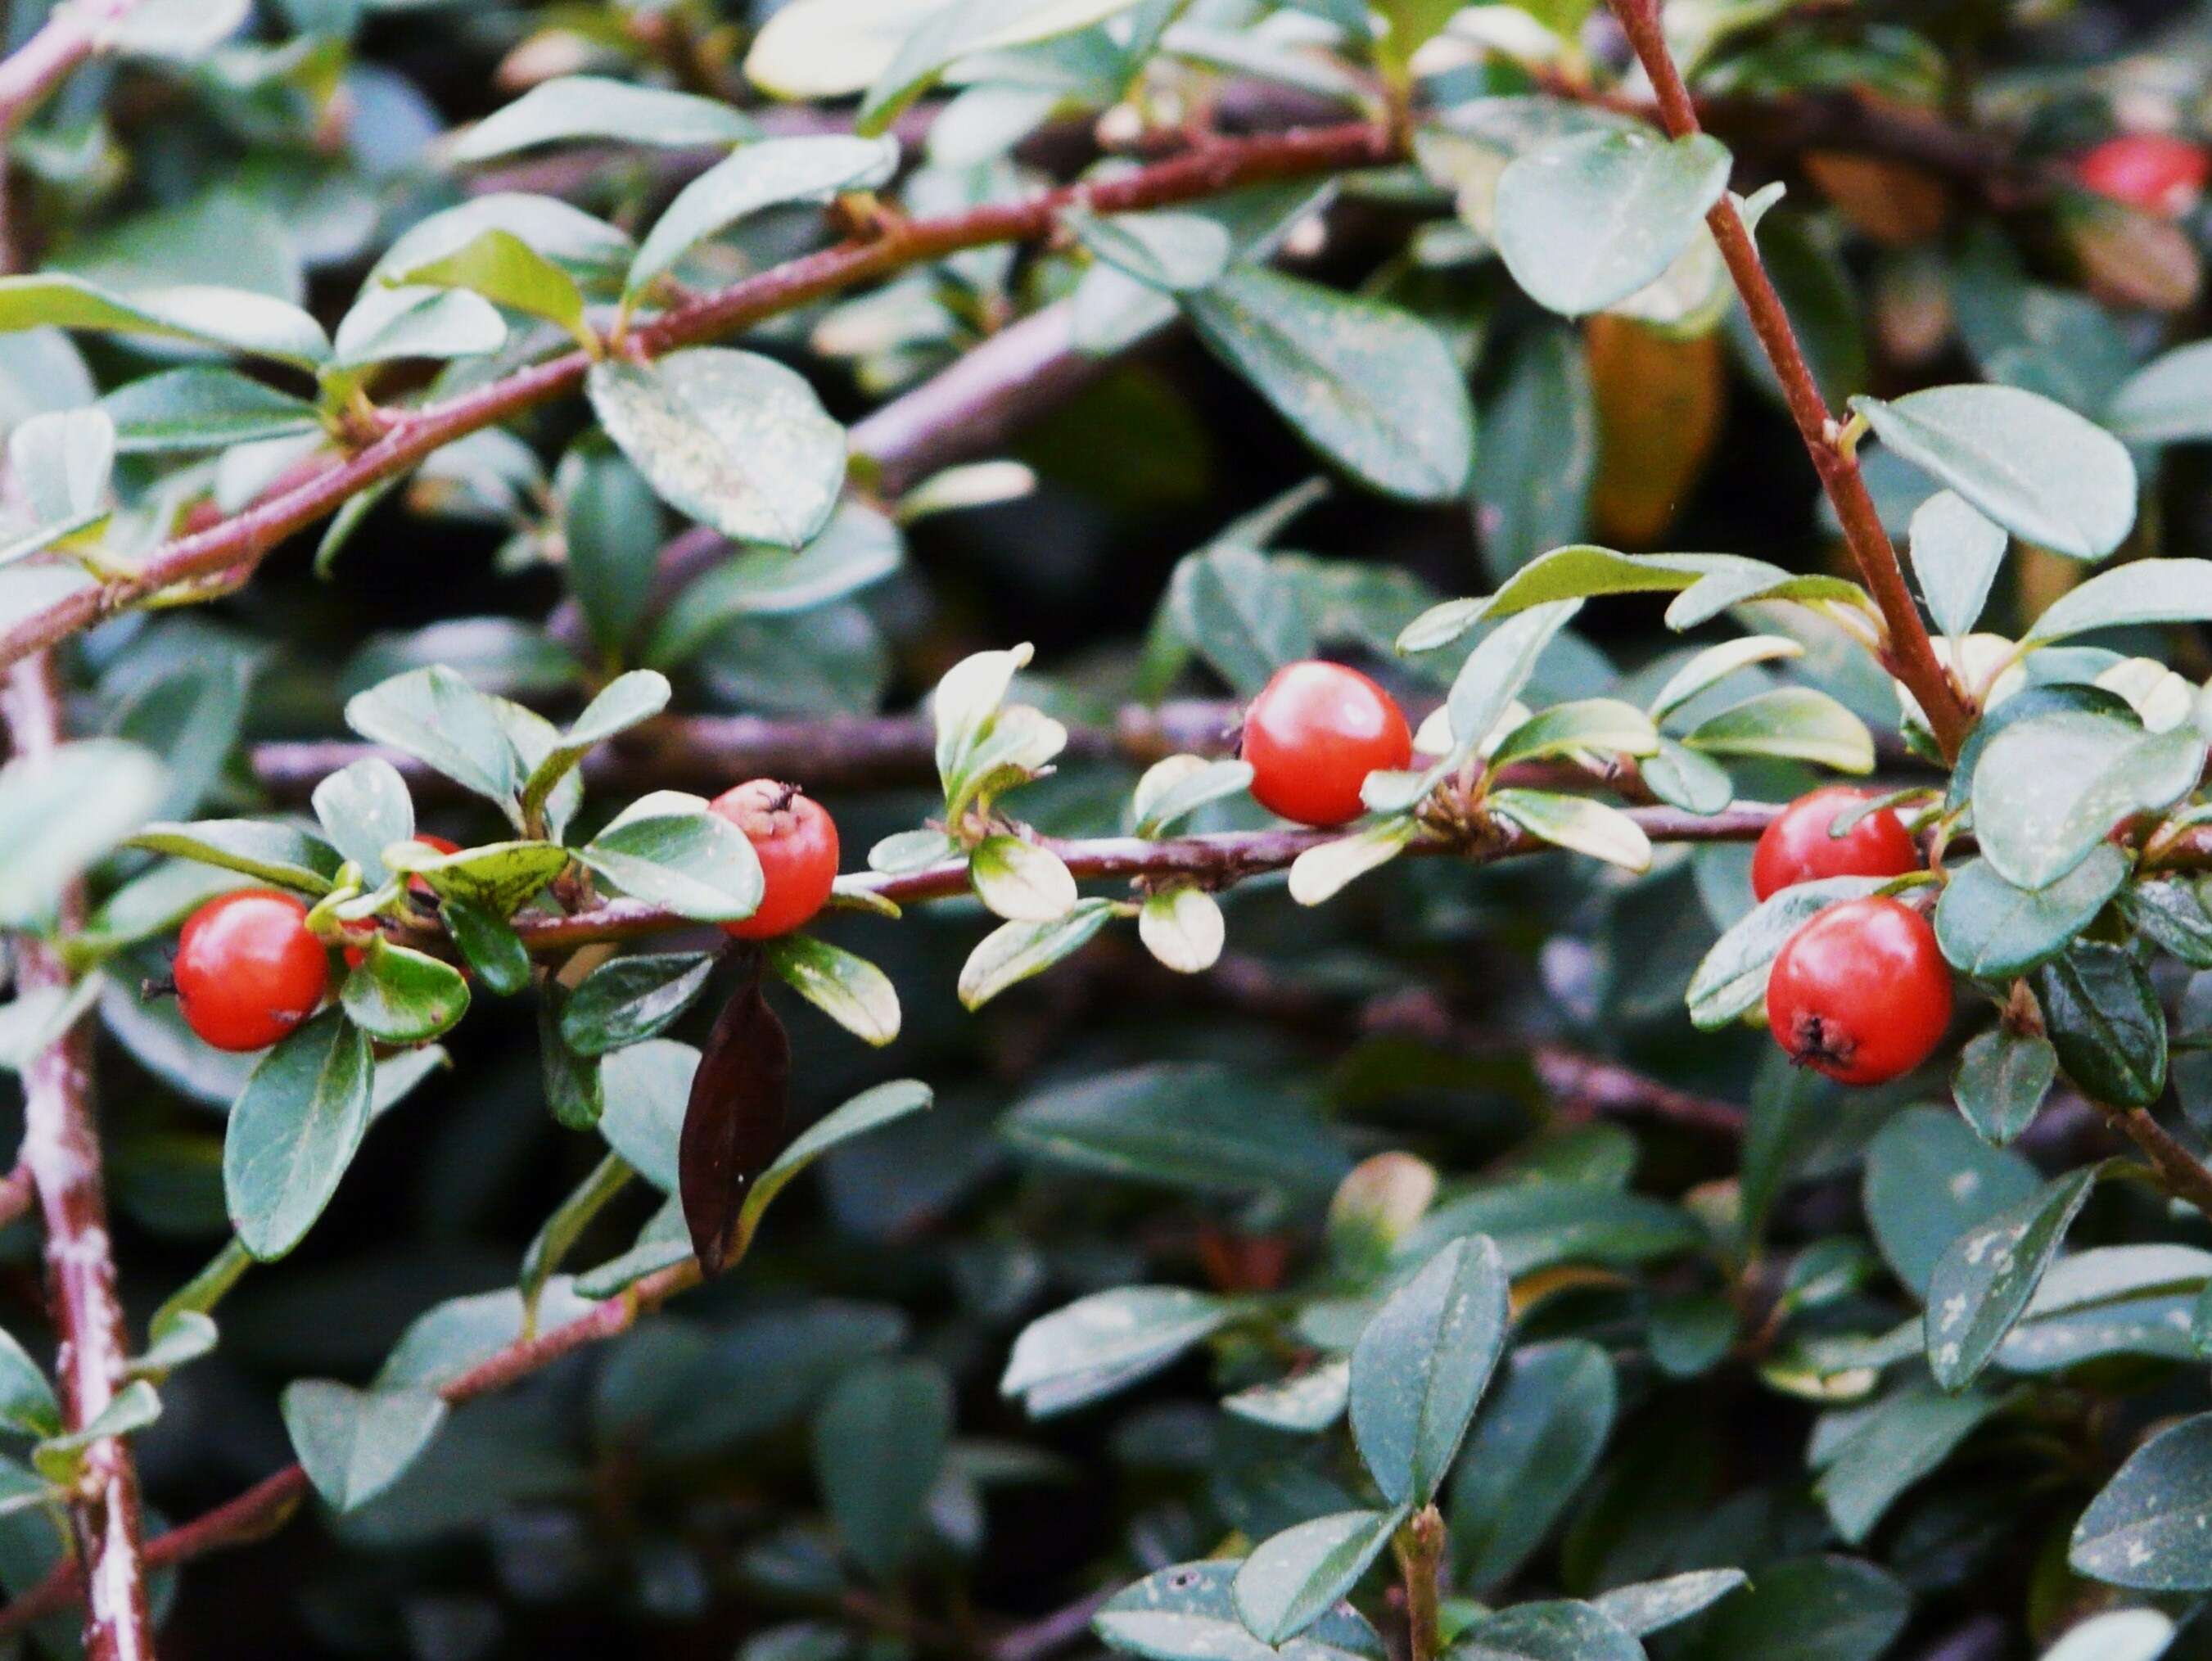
pixel 247 971
pixel 797 841
pixel 1800 846
pixel 1860 992
pixel 1314 735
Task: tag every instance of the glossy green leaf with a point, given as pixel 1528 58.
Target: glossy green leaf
pixel 858 547
pixel 1577 823
pixel 762 175
pixel 270 852
pixel 573 108
pixel 400 996
pixel 2001 1081
pixel 1927 1180
pixel 2047 791
pixel 391 325
pixel 1984 1281
pixel 1293 1579
pixel 1790 723
pixel 363 808
pixel 238 320
pixel 436 716
pixel 1732 978
pixel 1020 880
pixel 1372 388
pixel 1188 1612
pixel 2035 468
pixel 667 850
pixel 1098 1345
pixel 2169 399
pixel 2103 1017
pixel 2145 1530
pixel 2143 591
pixel 1013 952
pixel 1650 1606
pixel 1241 613
pixel 293 1130
pixel 852 991
pixel 27 1399
pixel 356 1443
pixel 1956 552
pixel 869 1110
pixel 734 440
pixel 1421 1364
pixel 880 1442
pixel 59 818
pixel 1991 930
pixel 1808 1609
pixel 508 271
pixel 203 409
pixel 1586 221
pixel 943 35
pixel 498 879
pixel 1559 1630
pixel 627 1000
pixel 1868 1456
pixel 1535 1444
pixel 611 526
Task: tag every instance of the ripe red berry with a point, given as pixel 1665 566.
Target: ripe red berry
pixel 797 841
pixel 1860 992
pixel 1314 735
pixel 1796 846
pixel 420 889
pixel 2155 172
pixel 247 971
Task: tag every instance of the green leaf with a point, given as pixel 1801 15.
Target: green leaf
pixel 1790 723
pixel 761 175
pixel 857 548
pixel 2047 791
pixel 1982 1282
pixel 238 320
pixel 1955 554
pixel 2136 1634
pixel 27 1400
pixel 356 1443
pixel 2141 591
pixel 496 879
pixel 1580 823
pixel 2110 1301
pixel 293 1130
pixel 436 716
pixel 1173 253
pixel 1323 872
pixel 880 1443
pixel 1021 880
pixel 1182 928
pixel 1683 778
pixel 1538 1223
pixel 734 440
pixel 647 1086
pixel 1013 952
pixel 1708 668
pixel 1539 452
pixel 2168 400
pixel 363 809
pixel 611 526
pixel 60 817
pixel 2034 466
pixel 852 991
pixel 492 948
pixel 1373 388
pixel 2104 1018
pixel 1600 724
pixel 1102 1343
pixel 2001 1081
pixel 1867 1457
pixel 1560 1630
pixel 1181 785
pixel 1500 666
pixel 508 271
pixel 622 703
pixel 947 34
pixel 627 1000
pixel 1188 1612
pixel 1808 1609
pixel 1534 1445
pixel 400 996
pixel 1304 1404
pixel 2145 1529
pixel 1585 221
pixel 272 852
pixel 1292 1580
pixel 1421 1364
pixel 203 409
pixel 667 850
pixel 1929 1179
pixel 1240 613
pixel 588 248
pixel 2172 913
pixel 389 324
pixel 59 1458
pixel 1200 1128
pixel 573 109
pixel 869 1110
pixel 575 1093
pixel 1652 1606
pixel 1991 930
pixel 1732 978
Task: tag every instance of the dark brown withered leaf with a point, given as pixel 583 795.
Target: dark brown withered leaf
pixel 734 1122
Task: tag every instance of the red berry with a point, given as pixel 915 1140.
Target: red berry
pixel 1796 846
pixel 797 841
pixel 1314 735
pixel 1860 992
pixel 2155 172
pixel 247 971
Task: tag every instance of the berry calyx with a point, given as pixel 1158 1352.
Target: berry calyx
pixel 247 971
pixel 2155 171
pixel 1861 993
pixel 1314 735
pixel 1799 845
pixel 797 841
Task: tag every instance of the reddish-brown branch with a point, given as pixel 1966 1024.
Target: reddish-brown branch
pixel 235 546
pixel 1212 861
pixel 61 1150
pixel 1914 654
pixel 71 33
pixel 18 1194
pixel 265 1507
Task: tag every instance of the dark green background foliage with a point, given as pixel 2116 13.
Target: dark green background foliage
pixel 1459 1227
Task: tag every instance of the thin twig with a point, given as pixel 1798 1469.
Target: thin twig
pixel 231 548
pixel 62 1151
pixel 18 1194
pixel 2182 1174
pixel 1914 654
pixel 265 1507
